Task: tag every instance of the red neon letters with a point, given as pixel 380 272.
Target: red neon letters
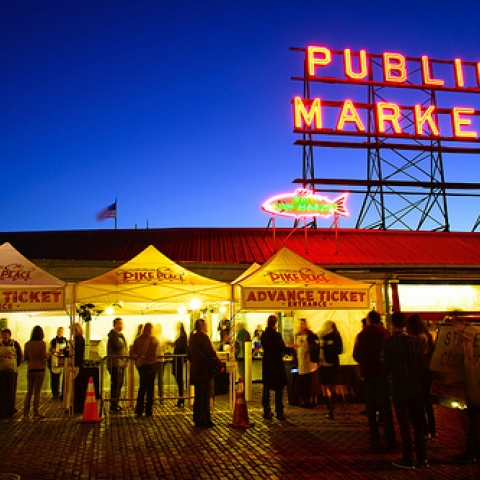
pixel 390 118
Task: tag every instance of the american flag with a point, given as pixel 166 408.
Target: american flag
pixel 108 212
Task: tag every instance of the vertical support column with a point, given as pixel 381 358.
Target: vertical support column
pixel 248 371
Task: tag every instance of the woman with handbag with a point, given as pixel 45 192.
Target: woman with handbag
pixel 144 349
pixel 202 357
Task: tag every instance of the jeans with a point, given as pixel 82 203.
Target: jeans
pixel 377 397
pixel 117 375
pixel 34 387
pixel 278 400
pixel 146 388
pixel 410 413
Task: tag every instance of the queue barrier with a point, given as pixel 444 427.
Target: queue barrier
pixel 166 388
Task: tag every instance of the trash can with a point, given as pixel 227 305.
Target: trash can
pixel 8 379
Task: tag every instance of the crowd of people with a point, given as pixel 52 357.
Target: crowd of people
pixel 394 369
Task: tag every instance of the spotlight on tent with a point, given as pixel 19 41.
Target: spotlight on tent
pixel 195 304
pixel 110 310
pixel 84 311
pixel 181 310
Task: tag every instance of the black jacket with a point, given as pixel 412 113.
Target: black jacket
pixel 273 369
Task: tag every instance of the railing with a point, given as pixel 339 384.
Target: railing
pixel 166 387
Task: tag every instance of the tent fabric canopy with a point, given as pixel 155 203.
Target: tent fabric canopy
pixel 288 281
pixel 151 279
pixel 24 287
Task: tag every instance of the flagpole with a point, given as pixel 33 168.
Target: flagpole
pixel 116 212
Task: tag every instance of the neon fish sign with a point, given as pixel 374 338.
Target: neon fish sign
pixel 305 203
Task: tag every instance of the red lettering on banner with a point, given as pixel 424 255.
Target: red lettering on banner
pixel 31 296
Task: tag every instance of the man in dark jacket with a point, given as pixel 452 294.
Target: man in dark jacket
pixel 274 376
pixel 201 354
pixel 403 359
pixel 116 351
pixel 368 352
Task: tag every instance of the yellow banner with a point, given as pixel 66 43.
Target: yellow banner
pixel 31 299
pixel 274 299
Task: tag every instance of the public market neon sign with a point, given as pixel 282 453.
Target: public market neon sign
pixel 305 203
pixel 390 118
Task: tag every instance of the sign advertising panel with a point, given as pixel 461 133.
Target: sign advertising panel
pixel 388 117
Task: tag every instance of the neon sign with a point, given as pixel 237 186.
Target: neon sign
pixel 305 203
pixel 390 119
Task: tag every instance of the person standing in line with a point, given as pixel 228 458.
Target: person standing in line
pixel 12 358
pixel 144 350
pixel 368 353
pixel 331 347
pixel 116 351
pixel 179 348
pixel 403 359
pixel 161 350
pixel 307 378
pixel 241 337
pixel 36 355
pixel 416 328
pixel 80 389
pixel 200 353
pixel 57 352
pixel 274 376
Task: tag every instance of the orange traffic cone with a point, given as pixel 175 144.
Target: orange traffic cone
pixel 90 412
pixel 240 414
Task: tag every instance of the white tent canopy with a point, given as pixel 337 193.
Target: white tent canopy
pixel 153 282
pixel 288 281
pixel 24 287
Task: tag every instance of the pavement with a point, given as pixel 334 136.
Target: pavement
pixel 305 446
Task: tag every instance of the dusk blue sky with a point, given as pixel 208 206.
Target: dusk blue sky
pixel 182 109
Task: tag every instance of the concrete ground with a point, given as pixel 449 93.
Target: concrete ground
pixel 306 445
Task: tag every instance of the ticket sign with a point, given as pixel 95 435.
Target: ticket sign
pixel 457 362
pixel 31 299
pixel 285 298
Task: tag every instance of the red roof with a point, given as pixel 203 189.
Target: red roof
pixel 347 247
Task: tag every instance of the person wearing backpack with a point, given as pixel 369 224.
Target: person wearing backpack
pixel 331 347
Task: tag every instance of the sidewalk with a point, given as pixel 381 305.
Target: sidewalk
pixel 307 445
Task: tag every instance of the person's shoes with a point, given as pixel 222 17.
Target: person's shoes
pixel 38 416
pixel 402 463
pixel 116 408
pixel 210 425
pixel 464 459
pixel 268 415
pixel 423 464
pixel 15 410
pixel 149 414
pixel 330 415
pixel 179 404
pixel 282 416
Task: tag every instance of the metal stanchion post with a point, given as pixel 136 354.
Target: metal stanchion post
pixel 131 382
pixel 248 371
